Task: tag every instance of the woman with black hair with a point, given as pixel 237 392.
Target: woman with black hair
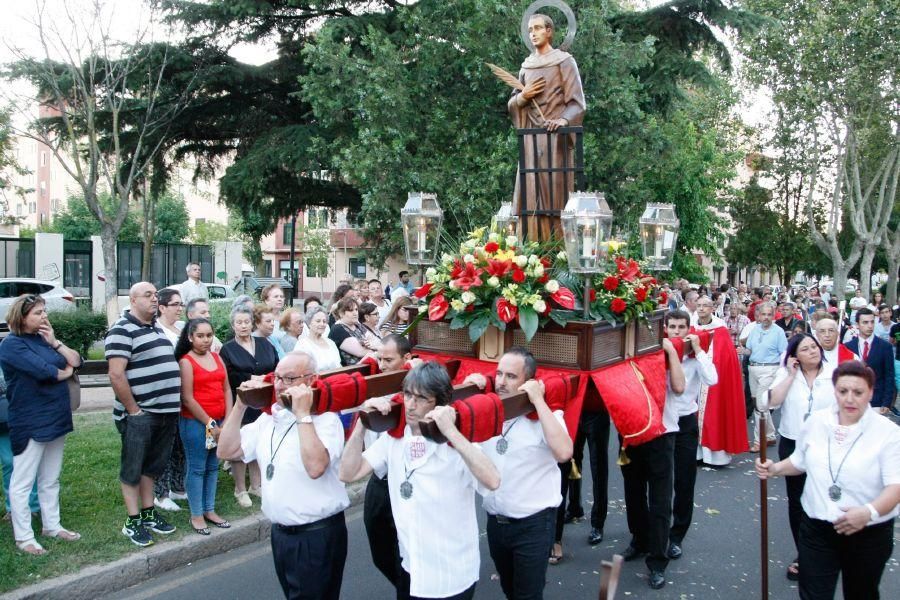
pixel 205 402
pixel 802 385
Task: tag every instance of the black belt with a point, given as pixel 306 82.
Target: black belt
pixel 502 520
pixel 321 524
pixel 755 364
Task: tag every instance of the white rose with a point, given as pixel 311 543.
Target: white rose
pixel 538 270
pixel 468 258
pixel 532 259
pixel 457 305
pixel 562 255
pixel 521 260
pixel 511 241
pixel 430 272
pixel 446 258
pixel 467 297
pixel 540 306
pixel 493 282
pixel 552 286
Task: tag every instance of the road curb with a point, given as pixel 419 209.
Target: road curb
pixel 99 580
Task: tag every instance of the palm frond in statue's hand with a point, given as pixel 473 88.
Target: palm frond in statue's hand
pixel 513 82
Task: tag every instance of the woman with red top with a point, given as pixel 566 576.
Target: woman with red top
pixel 205 401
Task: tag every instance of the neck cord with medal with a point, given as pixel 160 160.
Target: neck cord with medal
pixel 503 443
pixel 809 401
pixel 270 468
pixel 834 492
pixel 406 488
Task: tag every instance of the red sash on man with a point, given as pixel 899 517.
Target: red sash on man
pixel 724 418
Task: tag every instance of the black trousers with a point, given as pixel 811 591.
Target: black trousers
pixel 403 590
pixel 564 470
pixel 519 549
pixel 593 428
pixel 794 484
pixel 310 563
pixel 381 530
pixel 648 497
pixel 858 558
pixel 685 471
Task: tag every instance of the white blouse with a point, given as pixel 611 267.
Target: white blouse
pixel 327 357
pixel 870 453
pixel 800 401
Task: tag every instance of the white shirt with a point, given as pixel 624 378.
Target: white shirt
pixel 698 370
pixel 800 400
pixel 529 475
pixel 382 310
pixel 436 526
pixel 692 315
pixel 327 357
pixel 746 331
pixel 831 356
pixel 292 497
pixel 191 290
pixel 871 465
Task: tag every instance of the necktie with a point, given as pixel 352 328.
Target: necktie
pixel 865 351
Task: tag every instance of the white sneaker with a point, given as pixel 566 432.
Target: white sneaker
pixel 166 504
pixel 177 496
pixel 243 499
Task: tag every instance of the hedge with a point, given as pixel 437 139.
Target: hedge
pixel 79 329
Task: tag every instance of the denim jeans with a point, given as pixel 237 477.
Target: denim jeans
pixel 6 459
pixel 202 467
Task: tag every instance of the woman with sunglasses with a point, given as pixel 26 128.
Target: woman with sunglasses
pixel 36 366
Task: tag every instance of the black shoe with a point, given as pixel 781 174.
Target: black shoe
pixel 895 412
pixel 595 537
pixel 657 580
pixel 674 552
pixel 574 517
pixel 151 520
pixel 632 553
pixel 134 531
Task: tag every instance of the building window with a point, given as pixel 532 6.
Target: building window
pixel 317 218
pixel 32 208
pixel 18 210
pixel 286 269
pixel 287 234
pixel 358 267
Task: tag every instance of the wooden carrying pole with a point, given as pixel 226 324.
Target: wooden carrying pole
pixel 763 510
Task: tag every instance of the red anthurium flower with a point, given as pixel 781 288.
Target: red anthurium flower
pixel 518 275
pixel 564 297
pixel 611 283
pixel 422 292
pixel 498 268
pixel 506 311
pixel 491 247
pixel 437 308
pixel 546 309
pixel 640 294
pixel 618 306
pixel 629 270
pixel 468 278
pixel 593 294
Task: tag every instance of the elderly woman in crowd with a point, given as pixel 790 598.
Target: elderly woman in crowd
pixel 317 343
pixel 273 297
pixel 802 385
pixel 36 366
pixel 245 356
pixel 264 327
pixel 851 457
pixel 291 323
pixel 736 321
pixel 347 334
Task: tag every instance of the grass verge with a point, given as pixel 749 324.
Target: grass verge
pixel 91 504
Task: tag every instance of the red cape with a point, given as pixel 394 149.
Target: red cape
pixel 724 417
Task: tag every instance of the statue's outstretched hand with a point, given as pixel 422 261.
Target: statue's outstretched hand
pixel 534 88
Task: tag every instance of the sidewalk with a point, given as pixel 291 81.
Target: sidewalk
pixel 96 399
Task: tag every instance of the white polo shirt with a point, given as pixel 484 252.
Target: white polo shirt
pixel 529 475
pixel 698 370
pixel 436 526
pixel 871 464
pixel 292 497
pixel 801 400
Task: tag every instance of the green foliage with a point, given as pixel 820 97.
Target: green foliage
pixel 75 221
pixel 79 329
pixel 9 166
pixel 207 232
pixel 220 317
pixel 172 220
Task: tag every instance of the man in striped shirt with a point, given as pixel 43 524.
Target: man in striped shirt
pixel 146 380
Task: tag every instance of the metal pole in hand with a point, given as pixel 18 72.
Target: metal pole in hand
pixel 587 296
pixel 763 509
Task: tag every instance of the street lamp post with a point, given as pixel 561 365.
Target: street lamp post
pixel 421 218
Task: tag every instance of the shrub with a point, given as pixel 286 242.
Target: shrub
pixel 220 317
pixel 79 329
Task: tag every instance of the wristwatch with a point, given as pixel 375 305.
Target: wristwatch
pixel 307 420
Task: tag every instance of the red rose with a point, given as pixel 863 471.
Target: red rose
pixel 518 275
pixel 618 306
pixel 506 311
pixel 564 297
pixel 543 278
pixel 641 294
pixel 437 308
pixel 423 291
pixel 663 298
pixel 545 262
pixel 611 283
pixel 593 294
pixel 491 247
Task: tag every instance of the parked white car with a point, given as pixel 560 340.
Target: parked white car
pixel 54 294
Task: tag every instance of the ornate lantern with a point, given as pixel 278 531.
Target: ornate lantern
pixel 506 220
pixel 586 223
pixel 421 217
pixel 659 233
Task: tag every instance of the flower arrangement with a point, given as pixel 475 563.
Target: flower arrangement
pixel 496 280
pixel 625 293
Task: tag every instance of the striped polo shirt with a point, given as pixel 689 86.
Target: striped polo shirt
pixel 152 371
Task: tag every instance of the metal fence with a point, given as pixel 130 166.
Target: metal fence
pixel 167 263
pixel 16 257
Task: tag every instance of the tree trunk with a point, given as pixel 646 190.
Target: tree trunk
pixel 893 268
pixel 865 269
pixel 840 281
pixel 108 239
pixel 148 229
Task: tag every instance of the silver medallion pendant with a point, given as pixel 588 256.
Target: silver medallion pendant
pixel 406 490
pixel 834 492
pixel 270 472
pixel 502 446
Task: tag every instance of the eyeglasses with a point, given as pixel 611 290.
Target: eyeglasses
pixel 174 304
pixel 417 398
pixel 292 380
pixel 28 301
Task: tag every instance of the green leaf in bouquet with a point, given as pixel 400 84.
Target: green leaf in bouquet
pixel 462 320
pixel 478 326
pixel 528 321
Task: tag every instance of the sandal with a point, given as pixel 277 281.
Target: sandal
pixel 793 571
pixel 755 448
pixel 31 547
pixel 62 534
pixel 555 557
pixel 201 530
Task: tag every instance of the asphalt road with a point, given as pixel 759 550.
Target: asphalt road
pixel 721 554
